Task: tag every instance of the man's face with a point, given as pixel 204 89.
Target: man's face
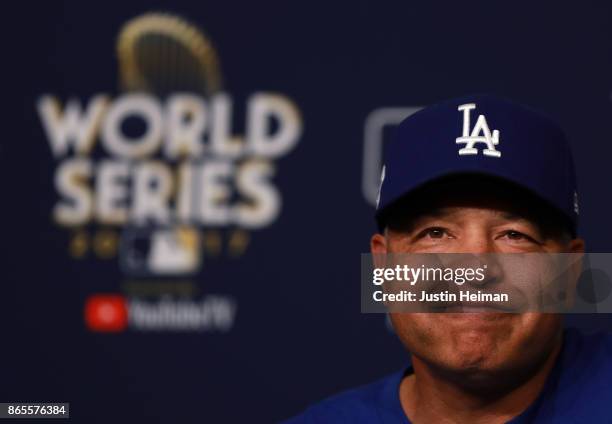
pixel 476 346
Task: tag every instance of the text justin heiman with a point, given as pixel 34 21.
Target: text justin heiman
pixel 445 296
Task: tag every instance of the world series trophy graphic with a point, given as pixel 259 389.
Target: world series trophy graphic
pixel 161 54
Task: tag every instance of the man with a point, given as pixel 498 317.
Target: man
pixel 481 175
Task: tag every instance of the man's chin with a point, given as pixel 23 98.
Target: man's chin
pixel 478 343
pixel 479 372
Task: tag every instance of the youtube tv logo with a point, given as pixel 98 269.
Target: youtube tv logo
pixel 106 313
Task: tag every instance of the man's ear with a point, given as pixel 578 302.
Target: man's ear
pixel 378 244
pixel 378 248
pixel 575 246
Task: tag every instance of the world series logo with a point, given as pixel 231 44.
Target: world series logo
pixel 157 176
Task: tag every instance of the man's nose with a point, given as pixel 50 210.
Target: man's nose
pixel 479 251
pixel 476 242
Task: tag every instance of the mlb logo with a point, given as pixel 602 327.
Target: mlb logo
pixel 106 313
pixel 161 251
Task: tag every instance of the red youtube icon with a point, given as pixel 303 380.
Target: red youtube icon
pixel 106 313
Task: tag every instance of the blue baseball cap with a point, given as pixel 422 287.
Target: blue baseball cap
pixel 480 135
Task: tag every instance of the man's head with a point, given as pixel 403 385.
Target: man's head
pixel 475 215
pixel 458 182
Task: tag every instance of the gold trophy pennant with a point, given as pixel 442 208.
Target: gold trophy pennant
pixel 162 53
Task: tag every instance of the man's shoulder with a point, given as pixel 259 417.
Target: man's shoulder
pixel 589 352
pixel 361 404
pixel 585 381
pixel 582 390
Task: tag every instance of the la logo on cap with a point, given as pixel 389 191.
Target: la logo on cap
pixel 480 134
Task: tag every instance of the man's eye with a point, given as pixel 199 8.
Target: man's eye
pixel 434 233
pixel 515 235
pixel 518 236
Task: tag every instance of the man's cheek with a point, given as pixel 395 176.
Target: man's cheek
pixel 419 331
